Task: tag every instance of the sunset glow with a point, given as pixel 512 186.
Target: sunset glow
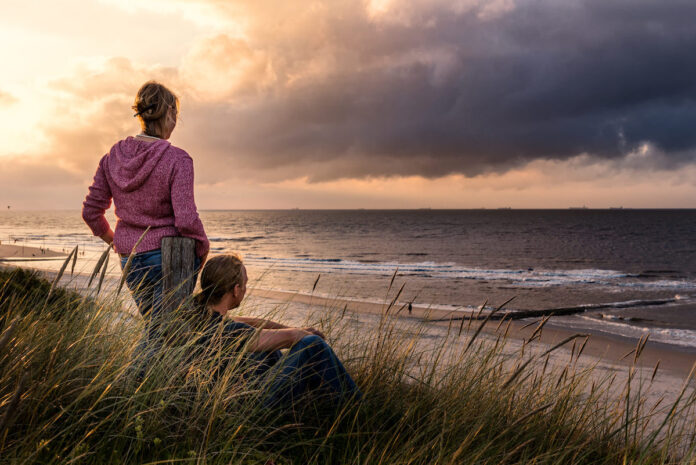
pixel 360 104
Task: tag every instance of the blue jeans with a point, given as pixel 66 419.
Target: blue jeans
pixel 144 280
pixel 310 370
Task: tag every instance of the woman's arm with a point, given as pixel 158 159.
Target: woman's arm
pixel 96 203
pixel 108 237
pixel 186 219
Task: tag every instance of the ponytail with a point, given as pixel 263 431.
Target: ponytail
pixel 219 276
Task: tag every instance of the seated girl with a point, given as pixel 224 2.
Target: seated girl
pixel 310 368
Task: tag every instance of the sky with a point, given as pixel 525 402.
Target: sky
pixel 361 103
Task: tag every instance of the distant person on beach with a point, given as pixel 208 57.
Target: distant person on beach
pixel 151 184
pixel 310 369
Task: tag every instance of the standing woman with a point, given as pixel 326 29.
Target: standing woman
pixel 151 184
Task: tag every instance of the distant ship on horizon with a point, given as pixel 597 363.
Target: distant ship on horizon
pixel 584 207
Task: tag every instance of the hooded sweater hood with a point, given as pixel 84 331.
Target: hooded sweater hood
pixel 131 161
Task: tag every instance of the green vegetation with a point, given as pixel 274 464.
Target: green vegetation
pixel 68 395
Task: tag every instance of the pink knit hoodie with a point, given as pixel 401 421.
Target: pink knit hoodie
pixel 151 184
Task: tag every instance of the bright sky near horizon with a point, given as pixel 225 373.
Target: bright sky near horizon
pixel 361 103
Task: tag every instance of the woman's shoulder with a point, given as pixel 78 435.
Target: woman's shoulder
pixel 177 152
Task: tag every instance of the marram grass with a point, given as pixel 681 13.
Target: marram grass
pixel 68 394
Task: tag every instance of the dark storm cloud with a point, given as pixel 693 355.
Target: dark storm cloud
pixel 454 93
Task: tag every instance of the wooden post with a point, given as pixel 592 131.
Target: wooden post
pixel 178 267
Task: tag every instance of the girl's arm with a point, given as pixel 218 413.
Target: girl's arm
pixel 268 324
pixel 269 340
pixel 258 322
pixel 98 200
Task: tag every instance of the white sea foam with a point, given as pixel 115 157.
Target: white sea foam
pixel 429 269
pixel 613 326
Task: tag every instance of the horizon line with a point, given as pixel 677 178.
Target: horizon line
pixel 584 208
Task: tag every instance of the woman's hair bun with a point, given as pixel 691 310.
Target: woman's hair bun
pixel 151 104
pixel 145 111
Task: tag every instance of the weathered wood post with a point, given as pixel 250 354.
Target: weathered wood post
pixel 178 268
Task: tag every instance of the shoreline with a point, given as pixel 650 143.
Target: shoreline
pixel 676 360
pixel 24 253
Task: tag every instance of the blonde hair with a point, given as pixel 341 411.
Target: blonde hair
pixel 152 102
pixel 219 276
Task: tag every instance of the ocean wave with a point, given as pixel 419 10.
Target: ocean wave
pixel 517 277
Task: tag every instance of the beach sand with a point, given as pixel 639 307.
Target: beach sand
pixel 10 253
pixel 611 349
pixel 608 360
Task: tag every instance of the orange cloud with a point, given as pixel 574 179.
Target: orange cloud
pixel 7 99
pixel 350 104
pixel 223 68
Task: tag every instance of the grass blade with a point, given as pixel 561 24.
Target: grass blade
pixel 517 373
pixel 393 302
pixel 564 342
pixel 391 283
pixel 538 329
pixel 641 345
pixel 657 366
pixel 60 273
pixel 488 317
pixel 5 422
pixel 672 410
pixel 98 266
pixel 103 273
pixel 7 335
pixel 74 261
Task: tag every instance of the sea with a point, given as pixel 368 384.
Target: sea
pixel 628 272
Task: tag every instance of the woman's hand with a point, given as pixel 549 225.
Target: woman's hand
pixel 108 237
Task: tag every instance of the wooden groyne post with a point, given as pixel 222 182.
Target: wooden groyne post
pixel 178 268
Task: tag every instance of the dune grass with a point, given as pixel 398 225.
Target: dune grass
pixel 68 394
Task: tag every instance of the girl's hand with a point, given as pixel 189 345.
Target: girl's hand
pixel 298 334
pixel 314 331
